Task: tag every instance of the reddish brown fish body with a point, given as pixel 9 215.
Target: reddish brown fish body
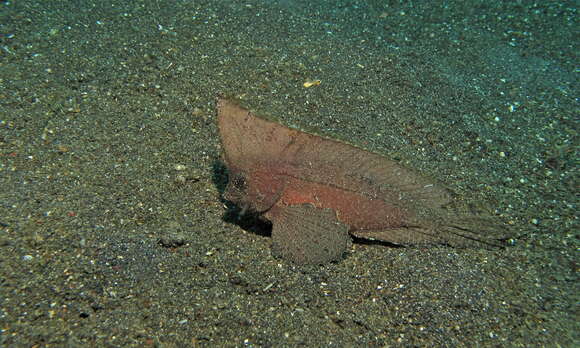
pixel 316 191
pixel 352 208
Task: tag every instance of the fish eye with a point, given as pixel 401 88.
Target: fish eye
pixel 239 182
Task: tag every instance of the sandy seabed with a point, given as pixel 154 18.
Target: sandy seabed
pixel 113 229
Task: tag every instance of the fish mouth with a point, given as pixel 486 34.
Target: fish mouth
pixel 244 210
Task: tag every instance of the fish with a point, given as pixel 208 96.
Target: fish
pixel 319 193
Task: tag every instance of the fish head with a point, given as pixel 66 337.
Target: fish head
pixel 252 191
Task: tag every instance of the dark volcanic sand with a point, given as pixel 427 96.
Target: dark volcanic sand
pixel 112 229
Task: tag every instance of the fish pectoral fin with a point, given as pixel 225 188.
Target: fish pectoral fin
pixel 305 234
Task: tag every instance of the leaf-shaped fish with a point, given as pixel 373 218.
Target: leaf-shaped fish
pixel 316 191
